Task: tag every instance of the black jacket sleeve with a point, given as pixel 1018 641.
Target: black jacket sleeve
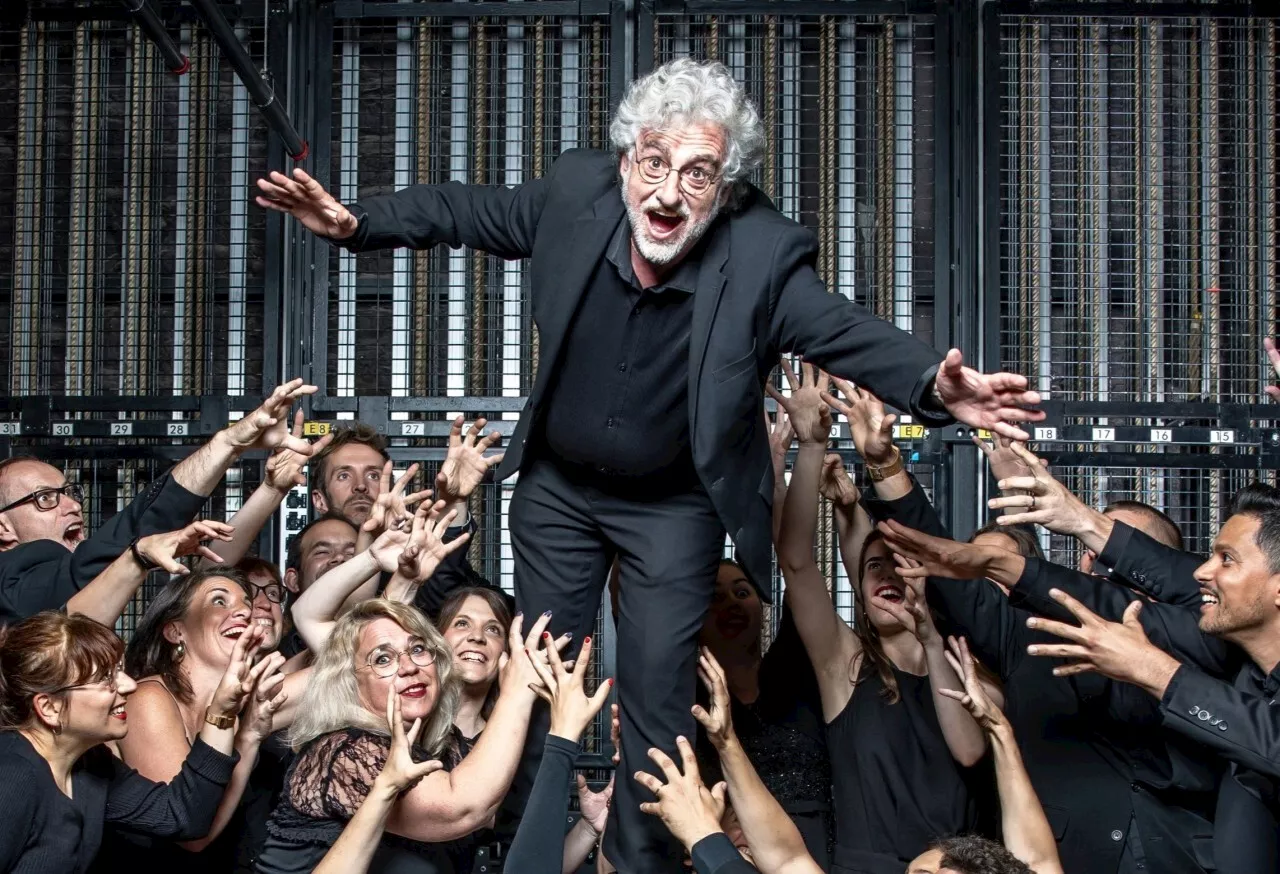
pixel 19 800
pixel 716 854
pixel 1240 726
pixel 846 339
pixel 1164 573
pixel 538 847
pixel 182 809
pixel 1176 630
pixel 44 575
pixel 498 219
pixel 973 608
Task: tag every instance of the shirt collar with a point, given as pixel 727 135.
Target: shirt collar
pixel 683 278
pixel 1267 684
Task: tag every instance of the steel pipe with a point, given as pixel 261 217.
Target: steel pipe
pixel 150 24
pixel 260 91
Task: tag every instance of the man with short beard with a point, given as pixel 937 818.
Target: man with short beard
pixel 48 563
pixel 664 287
pixel 346 476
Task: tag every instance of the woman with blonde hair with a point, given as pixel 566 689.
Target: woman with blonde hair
pixel 377 648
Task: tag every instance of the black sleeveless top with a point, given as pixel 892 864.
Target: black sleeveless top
pixel 895 783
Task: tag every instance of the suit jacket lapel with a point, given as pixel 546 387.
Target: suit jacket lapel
pixel 706 300
pixel 578 258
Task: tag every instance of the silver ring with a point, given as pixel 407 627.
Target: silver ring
pixel 1033 502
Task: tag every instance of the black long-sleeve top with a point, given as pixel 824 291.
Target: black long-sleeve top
pixel 44 574
pixel 1095 751
pixel 42 831
pixel 1164 573
pixel 716 854
pixel 538 847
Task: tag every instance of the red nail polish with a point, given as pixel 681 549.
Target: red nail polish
pixel 586 640
pixel 611 682
pixel 546 634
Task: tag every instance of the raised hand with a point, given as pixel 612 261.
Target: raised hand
pixel 241 675
pixel 1119 650
pixel 267 697
pixel 400 772
pixel 595 805
pixel 871 427
pixel 1273 355
pixel 781 435
pixel 466 463
pixel 935 556
pixel 306 200
pixel 425 548
pixel 1040 499
pixel 391 508
pixel 285 466
pixel 571 708
pixel 993 401
pixel 165 549
pixel 268 426
pixel 974 696
pixel 718 721
pixel 810 416
pixel 1003 460
pixel 836 485
pixel 516 670
pixel 686 806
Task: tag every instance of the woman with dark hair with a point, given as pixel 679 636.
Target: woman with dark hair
pixel 63 696
pixel 181 645
pixel 474 622
pixel 898 745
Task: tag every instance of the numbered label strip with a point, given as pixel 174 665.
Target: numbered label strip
pixel 80 428
pixel 1140 434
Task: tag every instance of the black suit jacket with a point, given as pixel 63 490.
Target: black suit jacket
pixel 44 574
pixel 758 296
pixel 1164 573
pixel 1096 756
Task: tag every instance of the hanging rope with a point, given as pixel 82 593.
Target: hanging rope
pixel 770 105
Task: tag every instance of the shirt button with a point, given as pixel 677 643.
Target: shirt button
pixel 623 367
pixel 609 422
pixel 1117 835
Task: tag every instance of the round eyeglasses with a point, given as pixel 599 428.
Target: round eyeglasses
pixel 385 661
pixel 695 181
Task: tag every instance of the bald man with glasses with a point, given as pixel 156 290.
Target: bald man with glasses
pixel 48 560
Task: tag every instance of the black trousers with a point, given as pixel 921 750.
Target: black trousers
pixel 565 534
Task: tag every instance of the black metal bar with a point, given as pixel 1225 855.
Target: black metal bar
pixel 261 93
pixel 620 72
pixel 645 24
pixel 1258 9
pixel 309 349
pixel 150 24
pixel 990 155
pixel 578 8
pixel 796 8
pixel 1168 461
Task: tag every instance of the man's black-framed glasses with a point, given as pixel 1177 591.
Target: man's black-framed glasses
pixel 274 591
pixel 695 181
pixel 48 498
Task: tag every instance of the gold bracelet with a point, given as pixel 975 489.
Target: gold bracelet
pixel 880 473
pixel 218 720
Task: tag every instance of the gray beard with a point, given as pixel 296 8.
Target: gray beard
pixel 662 254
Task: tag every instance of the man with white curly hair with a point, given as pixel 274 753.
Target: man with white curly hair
pixel 664 286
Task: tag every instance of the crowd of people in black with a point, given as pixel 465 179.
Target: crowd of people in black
pixel 379 705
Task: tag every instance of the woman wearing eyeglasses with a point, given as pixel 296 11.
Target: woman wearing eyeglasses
pixel 182 645
pixel 63 695
pixel 377 649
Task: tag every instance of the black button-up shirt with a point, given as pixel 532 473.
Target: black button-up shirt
pixel 619 411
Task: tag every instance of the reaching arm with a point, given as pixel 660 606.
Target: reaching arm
pixel 316 610
pixel 832 645
pixel 1025 828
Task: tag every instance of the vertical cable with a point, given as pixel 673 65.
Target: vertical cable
pixel 885 157
pixel 1212 246
pixel 518 139
pixel 402 259
pixel 1269 255
pixel 770 183
pixel 1252 289
pixel 598 72
pixel 181 222
pixel 348 191
pixel 903 135
pixel 477 381
pixel 420 300
pixel 713 38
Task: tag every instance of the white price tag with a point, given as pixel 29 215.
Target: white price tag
pixel 1046 433
pixel 1104 434
pixel 10 429
pixel 176 429
pixel 121 429
pixel 413 429
pixel 63 429
pixel 1222 436
pixel 1161 435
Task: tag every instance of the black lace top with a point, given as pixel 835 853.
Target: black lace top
pixel 327 783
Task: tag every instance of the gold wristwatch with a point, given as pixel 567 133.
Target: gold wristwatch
pixel 879 473
pixel 218 721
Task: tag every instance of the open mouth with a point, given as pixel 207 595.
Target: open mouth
pixel 119 713
pixel 889 593
pixel 474 657
pixel 662 226
pixel 417 690
pixel 73 533
pixel 235 632
pixel 1208 599
pixel 732 624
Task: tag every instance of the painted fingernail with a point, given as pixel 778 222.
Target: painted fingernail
pixel 546 613
pixel 1033 650
pixel 610 682
pixel 586 639
pixel 568 635
pixel 546 635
